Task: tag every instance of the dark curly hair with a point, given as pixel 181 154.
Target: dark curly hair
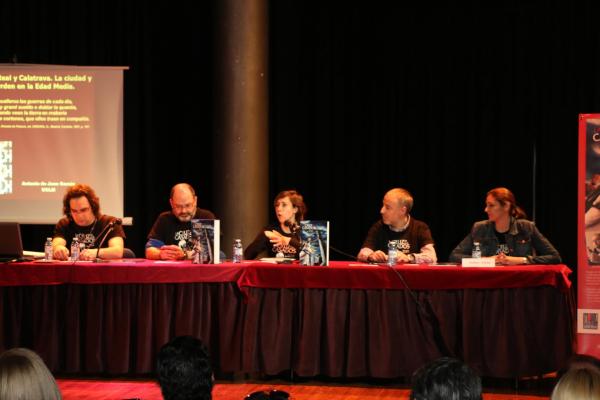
pixel 81 190
pixel 446 378
pixel 184 370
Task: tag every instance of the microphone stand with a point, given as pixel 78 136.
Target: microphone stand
pixel 104 234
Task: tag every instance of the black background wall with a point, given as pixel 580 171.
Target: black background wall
pixel 447 102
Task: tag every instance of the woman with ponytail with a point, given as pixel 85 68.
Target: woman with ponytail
pixel 507 235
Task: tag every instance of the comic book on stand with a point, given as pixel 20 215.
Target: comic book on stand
pixel 315 242
pixel 206 234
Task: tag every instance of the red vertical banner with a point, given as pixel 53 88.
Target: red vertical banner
pixel 588 236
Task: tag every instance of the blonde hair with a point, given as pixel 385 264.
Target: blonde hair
pixel 24 376
pixel 578 384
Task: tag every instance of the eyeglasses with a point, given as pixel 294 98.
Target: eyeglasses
pixel 182 206
pixel 272 394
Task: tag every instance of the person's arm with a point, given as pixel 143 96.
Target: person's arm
pixel 369 255
pixel 426 256
pixel 258 246
pixel 503 259
pixel 152 253
pixel 278 239
pixel 113 251
pixel 545 253
pixel 364 254
pixel 369 251
pixel 59 249
pixel 157 250
pixel 463 250
pixel 153 249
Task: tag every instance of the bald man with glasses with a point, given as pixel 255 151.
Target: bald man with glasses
pixel 171 236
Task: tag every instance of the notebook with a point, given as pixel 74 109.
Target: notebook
pixel 11 245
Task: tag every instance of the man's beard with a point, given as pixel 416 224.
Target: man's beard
pixel 187 217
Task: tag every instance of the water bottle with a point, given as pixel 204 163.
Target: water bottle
pixel 392 252
pixel 238 251
pixel 48 249
pixel 476 253
pixel 75 249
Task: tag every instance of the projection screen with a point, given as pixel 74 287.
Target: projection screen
pixel 59 125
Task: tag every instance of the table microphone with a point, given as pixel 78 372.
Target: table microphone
pixel 294 226
pixel 107 229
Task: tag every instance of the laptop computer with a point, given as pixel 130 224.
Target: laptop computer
pixel 11 245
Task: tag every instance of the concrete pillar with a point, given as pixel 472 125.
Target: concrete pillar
pixel 241 156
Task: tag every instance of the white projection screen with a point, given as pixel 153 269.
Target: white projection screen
pixel 59 125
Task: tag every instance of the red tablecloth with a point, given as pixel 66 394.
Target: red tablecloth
pixel 339 275
pixel 333 321
pixel 344 275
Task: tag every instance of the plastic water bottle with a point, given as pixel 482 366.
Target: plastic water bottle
pixel 476 252
pixel 75 249
pixel 238 251
pixel 48 249
pixel 392 252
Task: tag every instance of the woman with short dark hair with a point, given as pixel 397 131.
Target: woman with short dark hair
pixel 281 239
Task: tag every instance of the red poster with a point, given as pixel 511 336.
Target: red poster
pixel 588 236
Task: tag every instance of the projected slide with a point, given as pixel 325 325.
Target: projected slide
pixel 59 125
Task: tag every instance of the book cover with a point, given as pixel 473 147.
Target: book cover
pixel 315 242
pixel 206 234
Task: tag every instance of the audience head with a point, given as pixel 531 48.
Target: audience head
pixel 505 199
pixel 24 376
pixel 581 382
pixel 584 361
pixel 184 371
pixel 446 378
pixel 183 201
pixel 289 206
pixel 81 204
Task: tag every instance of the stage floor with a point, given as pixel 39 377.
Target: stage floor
pixel 149 390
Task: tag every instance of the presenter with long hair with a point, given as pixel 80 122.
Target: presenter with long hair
pixel 507 235
pixel 281 239
pixel 84 221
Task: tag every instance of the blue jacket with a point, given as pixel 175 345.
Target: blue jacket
pixel 523 240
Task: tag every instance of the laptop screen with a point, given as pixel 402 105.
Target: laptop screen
pixel 11 245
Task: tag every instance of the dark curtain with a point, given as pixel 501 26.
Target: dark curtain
pixel 118 329
pixel 447 102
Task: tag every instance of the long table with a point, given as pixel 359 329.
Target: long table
pixel 344 320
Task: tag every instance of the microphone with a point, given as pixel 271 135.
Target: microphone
pixel 293 225
pixel 104 234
